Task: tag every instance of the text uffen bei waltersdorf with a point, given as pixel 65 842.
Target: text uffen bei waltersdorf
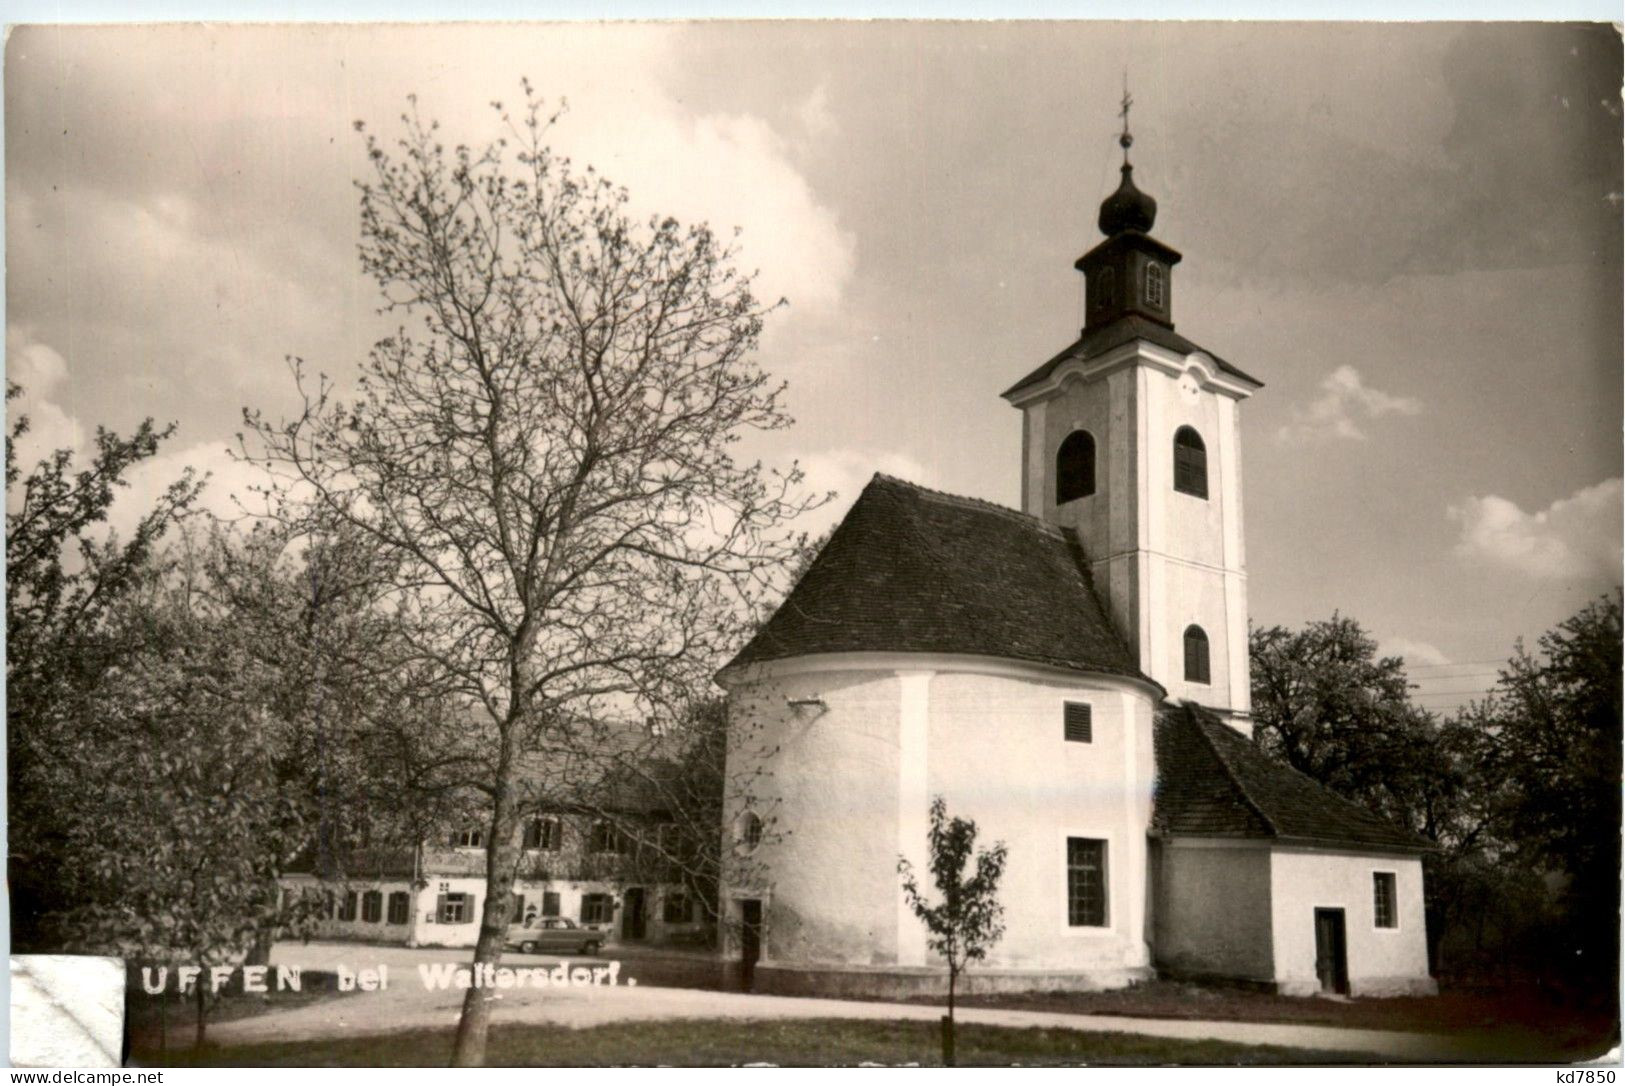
pixel 434 975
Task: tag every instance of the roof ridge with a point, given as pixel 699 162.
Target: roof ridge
pixel 1015 515
pixel 1192 713
pixel 1353 806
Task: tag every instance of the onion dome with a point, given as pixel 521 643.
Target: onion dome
pixel 1128 208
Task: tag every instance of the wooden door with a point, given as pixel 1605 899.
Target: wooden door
pixel 632 918
pixel 750 942
pixel 1331 951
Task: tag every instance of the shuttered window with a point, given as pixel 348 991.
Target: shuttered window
pixel 347 910
pixel 1190 463
pixel 596 908
pixel 1079 723
pixel 1384 904
pixel 1085 882
pixel 550 903
pixel 372 906
pixel 399 907
pixel 455 908
pixel 543 833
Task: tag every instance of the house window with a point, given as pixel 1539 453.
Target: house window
pixel 606 838
pixel 1079 726
pixel 1190 463
pixel 455 908
pixel 543 833
pixel 347 910
pixel 1155 285
pixel 516 909
pixel 750 831
pixel 1075 467
pixel 1085 882
pixel 1105 288
pixel 1384 903
pixel 372 906
pixel 550 903
pixel 469 837
pixel 677 908
pixel 400 906
pixel 596 908
pixel 1196 662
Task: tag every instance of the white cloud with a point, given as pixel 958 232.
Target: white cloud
pixel 1574 537
pixel 814 113
pixel 1344 403
pixel 40 370
pixel 1415 653
pixel 847 472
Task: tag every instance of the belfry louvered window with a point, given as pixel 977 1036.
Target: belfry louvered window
pixel 1079 726
pixel 1196 656
pixel 1190 463
pixel 1156 295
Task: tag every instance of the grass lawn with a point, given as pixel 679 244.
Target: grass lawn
pixel 1566 1029
pixel 727 1043
pixel 148 1018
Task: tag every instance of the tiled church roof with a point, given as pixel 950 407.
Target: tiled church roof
pixel 915 570
pixel 1213 782
pixel 1097 341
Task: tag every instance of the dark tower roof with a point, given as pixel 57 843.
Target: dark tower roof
pixel 1128 208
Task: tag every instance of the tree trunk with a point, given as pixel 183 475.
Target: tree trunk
pixel 948 1021
pixel 475 1024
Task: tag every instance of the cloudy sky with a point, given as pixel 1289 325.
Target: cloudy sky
pixel 1411 233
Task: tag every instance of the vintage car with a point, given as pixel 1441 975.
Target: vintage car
pixel 554 935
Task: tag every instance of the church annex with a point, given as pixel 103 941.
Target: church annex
pixel 1073 677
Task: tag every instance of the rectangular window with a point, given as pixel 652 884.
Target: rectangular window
pixel 596 908
pixel 516 909
pixel 1384 903
pixel 543 833
pixel 467 837
pixel 677 908
pixel 400 907
pixel 456 908
pixel 1085 882
pixel 606 838
pixel 372 906
pixel 1079 723
pixel 347 909
pixel 550 903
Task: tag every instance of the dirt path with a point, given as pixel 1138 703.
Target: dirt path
pixel 409 1004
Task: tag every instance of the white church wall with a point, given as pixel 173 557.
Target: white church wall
pixel 1212 909
pixel 998 755
pixel 851 783
pixel 826 868
pixel 1381 961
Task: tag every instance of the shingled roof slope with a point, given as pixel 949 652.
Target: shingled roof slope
pixel 916 570
pixel 1097 341
pixel 1214 782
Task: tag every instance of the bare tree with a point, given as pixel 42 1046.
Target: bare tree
pixel 545 454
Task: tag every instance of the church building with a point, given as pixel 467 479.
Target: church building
pixel 1074 677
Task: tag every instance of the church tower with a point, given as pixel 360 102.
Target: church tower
pixel 1130 438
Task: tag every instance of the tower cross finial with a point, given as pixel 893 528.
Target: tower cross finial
pixel 1125 140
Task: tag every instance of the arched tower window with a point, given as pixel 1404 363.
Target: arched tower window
pixel 1190 463
pixel 1075 467
pixel 1196 662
